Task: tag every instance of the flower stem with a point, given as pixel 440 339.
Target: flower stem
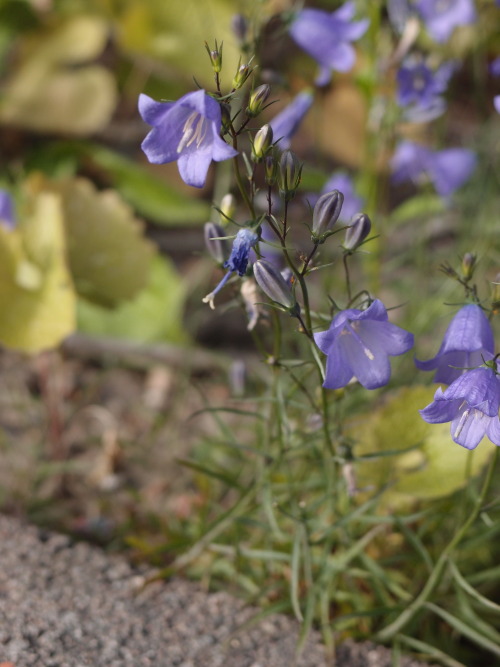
pixel 435 576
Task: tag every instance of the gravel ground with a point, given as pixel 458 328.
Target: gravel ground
pixel 70 605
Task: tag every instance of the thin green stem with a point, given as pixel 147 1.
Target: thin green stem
pixel 387 633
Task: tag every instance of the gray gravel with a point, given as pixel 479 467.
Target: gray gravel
pixel 70 605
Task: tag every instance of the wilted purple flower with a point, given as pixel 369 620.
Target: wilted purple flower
pixel 420 88
pixel 342 182
pixel 286 123
pixel 441 17
pixel 187 131
pixel 447 169
pixel 238 260
pixel 471 405
pixel 6 210
pixel 326 37
pixel 468 342
pixel 359 343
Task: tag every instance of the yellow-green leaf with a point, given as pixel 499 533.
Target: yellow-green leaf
pixel 37 301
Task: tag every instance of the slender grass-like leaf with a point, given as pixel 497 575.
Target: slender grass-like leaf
pixel 470 617
pixel 216 474
pixel 416 543
pixel 429 651
pixel 464 629
pixel 464 584
pixel 295 578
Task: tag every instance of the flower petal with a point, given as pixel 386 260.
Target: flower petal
pixel 338 371
pixel 152 112
pixel 193 167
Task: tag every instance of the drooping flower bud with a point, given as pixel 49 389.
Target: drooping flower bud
pixel 325 214
pixel 272 283
pixel 289 175
pixel 241 76
pixel 262 143
pixel 258 98
pixel 216 246
pixel 227 208
pixel 215 56
pixel 358 230
pixel 468 265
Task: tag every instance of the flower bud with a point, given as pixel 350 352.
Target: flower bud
pixel 215 56
pixel 262 143
pixel 289 175
pixel 225 112
pixel 272 283
pixel 239 25
pixel 241 76
pixel 227 208
pixel 358 230
pixel 495 295
pixel 326 213
pixel 257 99
pixel 271 168
pixel 468 265
pixel 216 246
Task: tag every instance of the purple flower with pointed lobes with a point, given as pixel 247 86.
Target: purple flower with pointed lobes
pixel 441 17
pixel 7 218
pixel 448 169
pixel 420 87
pixel 186 131
pixel 327 37
pixel 468 342
pixel 287 122
pixel 359 343
pixel 471 404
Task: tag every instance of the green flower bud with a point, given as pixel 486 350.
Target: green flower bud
pixel 272 283
pixel 271 168
pixel 289 175
pixel 262 143
pixel 215 56
pixel 468 265
pixel 325 214
pixel 216 246
pixel 359 228
pixel 257 99
pixel 227 208
pixel 241 76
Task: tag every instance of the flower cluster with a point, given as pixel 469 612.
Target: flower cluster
pixel 420 88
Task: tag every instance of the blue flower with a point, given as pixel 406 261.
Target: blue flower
pixel 471 404
pixel 353 204
pixel 286 123
pixel 468 342
pixel 187 131
pixel 238 260
pixel 359 343
pixel 447 169
pixel 420 89
pixel 441 17
pixel 6 210
pixel 327 37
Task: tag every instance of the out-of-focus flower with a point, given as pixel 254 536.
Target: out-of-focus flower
pixel 496 102
pixel 448 169
pixel 6 210
pixel 495 67
pixel 359 343
pixel 238 260
pixel 467 343
pixel 441 17
pixel 342 182
pixel 471 404
pixel 287 122
pixel 327 37
pixel 420 88
pixel 187 131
